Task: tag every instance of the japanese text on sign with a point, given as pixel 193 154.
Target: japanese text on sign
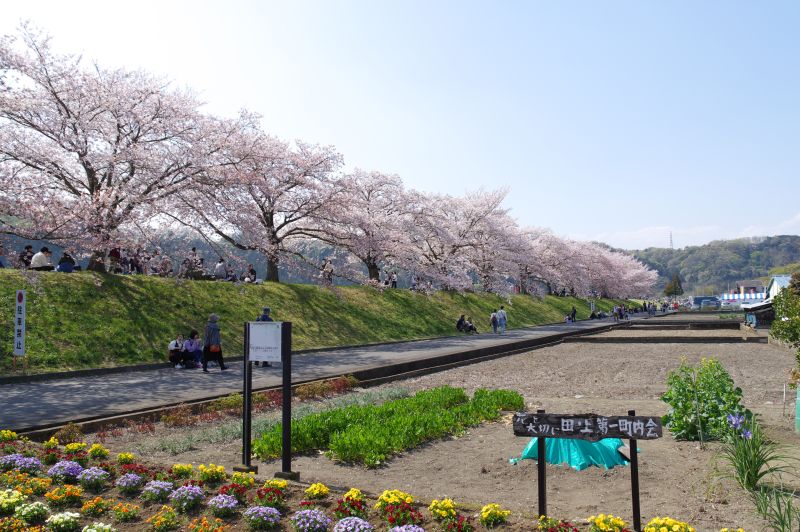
pixel 590 427
pixel 265 341
pixel 19 324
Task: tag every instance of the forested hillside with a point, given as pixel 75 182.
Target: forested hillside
pixel 718 264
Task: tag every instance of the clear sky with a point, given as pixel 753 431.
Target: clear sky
pixel 617 121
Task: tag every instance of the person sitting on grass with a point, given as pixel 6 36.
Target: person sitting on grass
pixel 469 327
pixel 460 324
pixel 176 352
pixel 193 350
pixel 66 263
pixel 41 261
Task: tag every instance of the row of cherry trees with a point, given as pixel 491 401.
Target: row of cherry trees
pixel 95 158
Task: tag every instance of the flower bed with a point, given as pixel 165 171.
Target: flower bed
pixel 132 495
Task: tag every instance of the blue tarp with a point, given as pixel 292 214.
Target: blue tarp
pixel 577 454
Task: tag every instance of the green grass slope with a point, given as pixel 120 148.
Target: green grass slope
pixel 88 320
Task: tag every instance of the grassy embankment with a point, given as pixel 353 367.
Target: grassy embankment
pixel 88 320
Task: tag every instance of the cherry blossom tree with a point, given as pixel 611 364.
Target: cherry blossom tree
pixel 87 152
pixel 264 199
pixel 369 220
pixel 444 230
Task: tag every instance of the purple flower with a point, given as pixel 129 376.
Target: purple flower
pixel 24 464
pixel 157 490
pixel 29 464
pixel 9 461
pixel 353 524
pixel 262 517
pixel 310 521
pixel 223 505
pixel 129 483
pixel 186 497
pixel 735 420
pixel 746 434
pixel 407 528
pixel 94 477
pixel 64 470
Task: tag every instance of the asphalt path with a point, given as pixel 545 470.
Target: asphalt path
pixel 27 405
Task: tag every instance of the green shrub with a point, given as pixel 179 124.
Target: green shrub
pixel 701 397
pixel 369 434
pixel 786 326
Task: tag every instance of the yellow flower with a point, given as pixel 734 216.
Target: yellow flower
pixel 52 443
pixel 125 458
pixel 276 483
pixel 98 451
pixel 75 447
pixel 354 494
pixel 317 491
pixel 7 435
pixel 248 480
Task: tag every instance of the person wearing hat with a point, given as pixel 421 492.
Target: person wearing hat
pixel 264 317
pixel 212 344
pixel 41 261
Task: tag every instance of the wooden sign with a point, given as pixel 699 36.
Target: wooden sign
pixel 19 324
pixel 591 427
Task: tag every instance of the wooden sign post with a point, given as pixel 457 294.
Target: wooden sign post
pixel 593 428
pixel 20 312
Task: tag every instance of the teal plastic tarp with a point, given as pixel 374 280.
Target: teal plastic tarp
pixel 577 454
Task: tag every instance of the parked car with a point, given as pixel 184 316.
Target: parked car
pixel 698 301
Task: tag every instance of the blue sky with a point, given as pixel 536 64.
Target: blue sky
pixel 614 121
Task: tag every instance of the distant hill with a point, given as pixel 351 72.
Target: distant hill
pixel 713 267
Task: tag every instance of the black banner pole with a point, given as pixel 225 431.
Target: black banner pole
pixel 247 406
pixel 542 470
pixel 286 362
pixel 637 513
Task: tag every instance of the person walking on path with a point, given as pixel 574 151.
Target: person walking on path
pixel 264 317
pixel 493 321
pixel 212 344
pixel 573 314
pixel 502 319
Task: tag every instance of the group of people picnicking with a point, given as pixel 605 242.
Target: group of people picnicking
pixel 122 261
pixel 41 260
pixel 195 352
pixel 498 320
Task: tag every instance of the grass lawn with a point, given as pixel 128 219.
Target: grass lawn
pixel 89 320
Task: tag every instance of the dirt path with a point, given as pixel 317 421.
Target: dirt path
pixel 678 479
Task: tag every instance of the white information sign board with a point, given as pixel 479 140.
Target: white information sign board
pixel 19 324
pixel 265 341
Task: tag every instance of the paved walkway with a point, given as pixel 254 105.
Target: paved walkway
pixel 27 405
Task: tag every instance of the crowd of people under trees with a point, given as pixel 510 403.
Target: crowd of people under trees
pixel 98 160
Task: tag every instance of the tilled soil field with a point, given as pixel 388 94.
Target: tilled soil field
pixel 679 479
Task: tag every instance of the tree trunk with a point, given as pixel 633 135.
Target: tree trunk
pixel 272 270
pixel 97 262
pixel 374 271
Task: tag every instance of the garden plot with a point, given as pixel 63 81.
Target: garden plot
pixel 677 478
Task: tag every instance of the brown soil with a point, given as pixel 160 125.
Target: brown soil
pixel 678 479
